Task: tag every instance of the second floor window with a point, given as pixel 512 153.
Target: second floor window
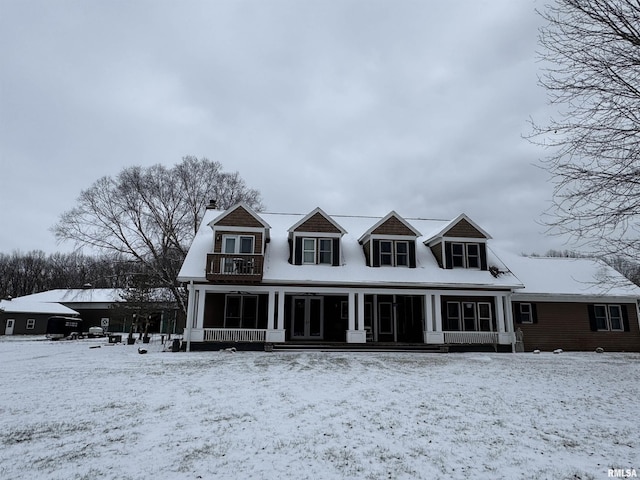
pixel 394 253
pixel 465 255
pixel 317 250
pixel 238 244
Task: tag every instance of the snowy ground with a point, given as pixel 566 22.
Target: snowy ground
pixel 69 411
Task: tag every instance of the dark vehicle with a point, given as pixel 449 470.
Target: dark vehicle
pixel 64 327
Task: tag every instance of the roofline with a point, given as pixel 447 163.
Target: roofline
pixel 392 213
pixel 572 297
pixel 462 216
pixel 244 205
pixel 311 214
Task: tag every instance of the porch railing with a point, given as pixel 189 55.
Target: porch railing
pixel 485 338
pixel 237 268
pixel 234 335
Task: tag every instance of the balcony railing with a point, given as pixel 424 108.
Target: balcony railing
pixel 234 268
pixel 479 338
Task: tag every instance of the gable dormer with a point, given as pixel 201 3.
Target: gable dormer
pixel 390 242
pixel 315 240
pixel 239 242
pixel 461 243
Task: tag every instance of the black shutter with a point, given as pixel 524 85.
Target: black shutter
pixel 290 251
pixel 376 253
pixel 592 318
pixel 534 313
pixel 483 256
pixel 625 318
pixel 298 251
pixel 336 252
pixel 448 255
pixel 412 254
pixel 516 312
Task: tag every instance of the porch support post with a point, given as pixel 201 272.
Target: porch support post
pixel 360 311
pixel 271 310
pixel 280 319
pixel 190 308
pixel 273 334
pixel 428 318
pixel 353 335
pixel 201 302
pixel 436 335
pixel 503 317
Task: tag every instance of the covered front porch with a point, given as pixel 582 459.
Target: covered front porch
pixel 290 315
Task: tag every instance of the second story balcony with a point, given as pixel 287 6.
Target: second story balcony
pixel 234 268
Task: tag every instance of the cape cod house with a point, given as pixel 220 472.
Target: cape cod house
pixel 293 278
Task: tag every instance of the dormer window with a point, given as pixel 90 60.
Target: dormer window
pixel 394 253
pixel 465 255
pixel 317 251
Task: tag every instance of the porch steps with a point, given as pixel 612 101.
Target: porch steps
pixel 359 347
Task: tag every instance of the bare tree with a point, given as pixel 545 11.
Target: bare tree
pixel 151 214
pixel 591 58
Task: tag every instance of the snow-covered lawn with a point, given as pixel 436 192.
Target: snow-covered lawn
pixel 69 411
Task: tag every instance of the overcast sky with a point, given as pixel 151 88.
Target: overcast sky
pixel 358 107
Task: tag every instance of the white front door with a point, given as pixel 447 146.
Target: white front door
pixel 306 318
pixel 9 328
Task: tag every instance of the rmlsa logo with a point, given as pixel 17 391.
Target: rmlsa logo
pixel 622 473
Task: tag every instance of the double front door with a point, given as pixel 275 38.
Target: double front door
pixel 306 318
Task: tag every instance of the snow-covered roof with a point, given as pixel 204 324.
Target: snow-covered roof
pixel 572 278
pixel 86 295
pixel 353 269
pixel 27 306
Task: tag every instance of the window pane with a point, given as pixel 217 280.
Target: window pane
pixel 452 321
pixel 249 312
pixel 385 247
pixel 601 317
pixel 473 255
pixel 469 316
pixel 230 245
pixel 525 313
pixel 325 251
pixel 308 250
pixel 232 316
pixel 615 315
pixel 402 255
pixel 246 244
pixel 457 254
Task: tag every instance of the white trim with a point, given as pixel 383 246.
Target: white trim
pixel 325 215
pixel 569 298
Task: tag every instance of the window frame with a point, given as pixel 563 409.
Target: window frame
pixel 241 308
pixel 604 322
pixel 322 251
pixel 522 314
pixel 31 323
pixel 238 244
pixel 392 255
pixel 306 251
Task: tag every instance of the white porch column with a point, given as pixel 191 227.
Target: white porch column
pixel 436 335
pixel 503 316
pixel 353 335
pixel 500 314
pixel 428 318
pixel 271 310
pixel 360 312
pixel 275 334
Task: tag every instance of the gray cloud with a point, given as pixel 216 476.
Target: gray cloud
pixel 357 107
